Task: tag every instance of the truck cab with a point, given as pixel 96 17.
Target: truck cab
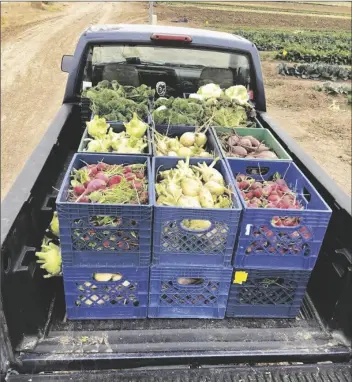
pixel 38 343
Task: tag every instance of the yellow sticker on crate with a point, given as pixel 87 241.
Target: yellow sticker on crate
pixel 240 277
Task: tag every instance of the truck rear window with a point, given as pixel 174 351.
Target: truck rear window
pixel 171 71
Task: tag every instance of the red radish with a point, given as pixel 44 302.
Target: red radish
pixel 94 185
pixel 243 185
pixel 273 198
pixel 136 185
pixel 249 195
pixel 85 184
pixel 266 190
pixel 241 178
pixel 83 199
pixel 130 176
pixel 92 170
pixel 281 182
pixel 126 170
pixel 258 192
pixel 116 179
pixel 101 166
pixel 140 175
pixel 271 205
pixel 243 194
pixel 102 176
pixel 79 189
pixel 256 185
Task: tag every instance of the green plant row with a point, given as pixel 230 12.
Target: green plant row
pixel 298 53
pixel 315 71
pixel 267 40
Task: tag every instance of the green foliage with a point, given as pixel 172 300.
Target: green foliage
pixel 315 71
pixel 193 112
pixel 115 102
pixel 303 46
pixel 334 89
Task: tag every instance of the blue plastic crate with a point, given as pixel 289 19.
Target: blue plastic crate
pixel 89 299
pixel 117 129
pixel 263 245
pixel 175 244
pixel 266 293
pixel 125 242
pixel 176 131
pixel 188 292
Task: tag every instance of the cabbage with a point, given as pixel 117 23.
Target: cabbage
pixel 209 91
pixel 238 93
pixel 97 127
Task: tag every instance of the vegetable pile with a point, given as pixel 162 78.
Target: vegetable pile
pixel 200 186
pixel 267 194
pixel 109 184
pixel 115 102
pixel 50 255
pixel 189 144
pixel 104 139
pixel 245 147
pixel 229 108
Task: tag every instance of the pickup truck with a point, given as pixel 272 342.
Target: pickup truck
pixel 37 342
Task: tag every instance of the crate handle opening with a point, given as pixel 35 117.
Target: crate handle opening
pixel 257 170
pixel 196 225
pixel 286 221
pixel 184 281
pixel 105 277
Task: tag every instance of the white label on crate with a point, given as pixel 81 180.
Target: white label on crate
pixel 86 85
pixel 126 283
pixel 248 229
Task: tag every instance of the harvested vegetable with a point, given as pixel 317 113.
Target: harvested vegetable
pixel 109 184
pixel 244 146
pixel 189 144
pixel 115 102
pixel 104 139
pixel 54 225
pixel 50 258
pixel 273 193
pixel 192 187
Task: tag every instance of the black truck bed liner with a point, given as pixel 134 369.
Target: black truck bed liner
pixel 67 345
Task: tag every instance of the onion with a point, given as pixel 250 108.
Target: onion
pixel 187 139
pixel 190 187
pixel 215 188
pixel 200 139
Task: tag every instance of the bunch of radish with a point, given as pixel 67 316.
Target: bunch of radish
pixel 109 184
pixel 245 147
pixel 267 193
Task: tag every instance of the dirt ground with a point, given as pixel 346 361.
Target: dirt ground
pixel 32 84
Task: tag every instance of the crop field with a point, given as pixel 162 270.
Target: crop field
pixel 315 36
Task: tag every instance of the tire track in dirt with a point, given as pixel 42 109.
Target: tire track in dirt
pixel 33 84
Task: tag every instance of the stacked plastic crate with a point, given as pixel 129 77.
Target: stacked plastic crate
pixel 106 249
pixel 191 272
pixel 276 248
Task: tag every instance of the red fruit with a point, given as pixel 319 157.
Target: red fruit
pixel 116 179
pixel 126 170
pixel 79 189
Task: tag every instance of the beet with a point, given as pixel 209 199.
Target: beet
pixel 130 176
pixel 92 170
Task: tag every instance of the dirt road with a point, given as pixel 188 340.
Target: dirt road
pixel 32 83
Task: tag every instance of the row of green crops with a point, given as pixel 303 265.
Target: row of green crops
pixel 315 71
pixel 303 46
